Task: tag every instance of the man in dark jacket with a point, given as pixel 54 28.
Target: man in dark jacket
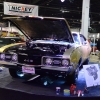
pixel 98 44
pixel 98 47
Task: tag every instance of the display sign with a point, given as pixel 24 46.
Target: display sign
pixel 92 74
pixel 20 9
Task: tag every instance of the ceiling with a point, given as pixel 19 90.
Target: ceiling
pixel 69 9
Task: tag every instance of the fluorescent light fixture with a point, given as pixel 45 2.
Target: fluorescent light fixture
pixel 62 0
pixel 63 11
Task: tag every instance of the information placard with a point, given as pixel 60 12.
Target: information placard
pixel 92 74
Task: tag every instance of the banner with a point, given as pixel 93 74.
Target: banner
pixel 20 9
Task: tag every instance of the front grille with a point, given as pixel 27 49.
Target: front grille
pixel 57 62
pixel 26 59
pixel 8 57
pixel 21 58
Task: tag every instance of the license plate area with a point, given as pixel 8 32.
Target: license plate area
pixel 27 69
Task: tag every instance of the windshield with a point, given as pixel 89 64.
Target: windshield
pixel 44 29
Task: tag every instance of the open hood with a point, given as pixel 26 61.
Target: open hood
pixel 43 28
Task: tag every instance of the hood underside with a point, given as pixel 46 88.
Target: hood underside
pixel 43 28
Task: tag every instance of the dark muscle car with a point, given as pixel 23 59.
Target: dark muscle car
pixel 50 48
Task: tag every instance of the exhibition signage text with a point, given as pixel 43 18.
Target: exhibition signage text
pixel 20 9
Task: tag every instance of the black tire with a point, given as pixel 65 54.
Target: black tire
pixel 71 78
pixel 13 72
pixel 86 62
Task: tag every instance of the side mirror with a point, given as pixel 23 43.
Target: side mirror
pixel 84 42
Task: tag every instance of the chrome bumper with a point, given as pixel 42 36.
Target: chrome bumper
pixel 63 69
pixel 41 67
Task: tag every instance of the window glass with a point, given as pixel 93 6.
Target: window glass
pixel 82 38
pixel 75 36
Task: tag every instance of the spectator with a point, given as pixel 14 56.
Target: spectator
pixel 96 40
pixel 98 46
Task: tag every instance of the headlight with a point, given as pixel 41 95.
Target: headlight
pixel 14 57
pixel 65 62
pixel 48 61
pixel 2 56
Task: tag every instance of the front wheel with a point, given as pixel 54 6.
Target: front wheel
pixel 70 78
pixel 15 73
pixel 86 62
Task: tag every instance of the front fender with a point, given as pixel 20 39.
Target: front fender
pixel 74 54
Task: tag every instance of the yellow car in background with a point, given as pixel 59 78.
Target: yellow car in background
pixel 8 42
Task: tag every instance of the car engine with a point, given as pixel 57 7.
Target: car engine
pixel 33 52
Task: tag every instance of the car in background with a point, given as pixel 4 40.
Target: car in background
pixel 51 49
pixel 8 42
pixel 6 34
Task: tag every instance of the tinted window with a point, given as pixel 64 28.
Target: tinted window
pixel 82 38
pixel 75 36
pixel 9 40
pixel 4 41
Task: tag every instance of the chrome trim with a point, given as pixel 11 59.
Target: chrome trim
pixel 54 68
pixel 7 63
pixel 23 54
pixel 64 69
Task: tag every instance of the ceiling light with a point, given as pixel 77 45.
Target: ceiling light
pixel 62 0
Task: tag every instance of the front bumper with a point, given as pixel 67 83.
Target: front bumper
pixel 8 64
pixel 38 68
